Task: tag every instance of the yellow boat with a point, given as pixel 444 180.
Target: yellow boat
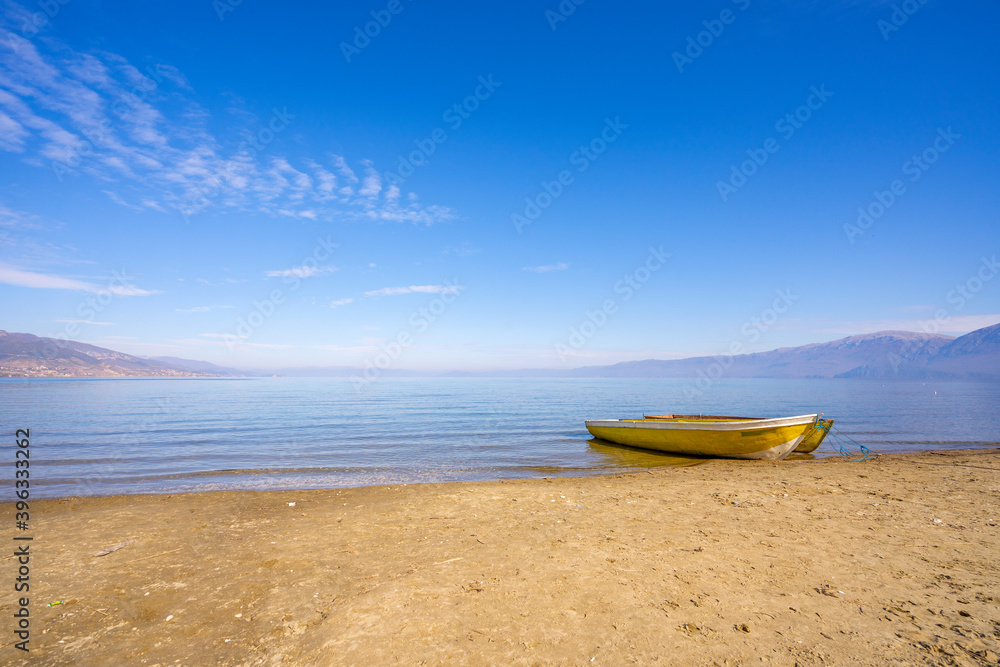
pixel 728 437
pixel 809 444
pixel 815 437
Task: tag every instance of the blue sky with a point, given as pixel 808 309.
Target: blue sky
pixel 502 186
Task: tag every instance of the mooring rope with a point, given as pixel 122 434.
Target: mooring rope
pixel 844 442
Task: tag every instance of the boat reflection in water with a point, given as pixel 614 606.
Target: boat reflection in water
pixel 623 456
pixel 619 456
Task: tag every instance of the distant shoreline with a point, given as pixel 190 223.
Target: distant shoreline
pixel 391 378
pixel 881 355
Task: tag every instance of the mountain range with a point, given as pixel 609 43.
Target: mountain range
pixel 886 354
pixel 26 355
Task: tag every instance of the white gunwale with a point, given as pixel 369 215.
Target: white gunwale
pixel 658 424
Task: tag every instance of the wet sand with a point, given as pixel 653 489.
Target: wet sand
pixel 891 561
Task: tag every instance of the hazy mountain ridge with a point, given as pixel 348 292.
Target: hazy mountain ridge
pixel 884 354
pixel 195 366
pixel 976 355
pixel 27 355
pixel 813 360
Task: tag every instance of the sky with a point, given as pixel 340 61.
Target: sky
pixel 479 186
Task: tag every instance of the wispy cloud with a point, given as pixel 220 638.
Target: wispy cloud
pixel 372 185
pixel 340 302
pixel 229 340
pixel 562 266
pixel 13 276
pixel 103 324
pixel 35 241
pixel 224 281
pixel 300 272
pixel 201 309
pixel 148 144
pixel 130 290
pixel 415 289
pixel 12 219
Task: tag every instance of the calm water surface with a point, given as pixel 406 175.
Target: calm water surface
pixel 101 437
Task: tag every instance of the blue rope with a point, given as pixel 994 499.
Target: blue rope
pixel 844 442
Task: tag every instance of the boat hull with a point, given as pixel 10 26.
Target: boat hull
pixel 761 439
pixel 815 437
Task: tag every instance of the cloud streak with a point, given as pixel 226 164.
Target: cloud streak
pixel 304 271
pixel 562 266
pixel 145 140
pixel 10 275
pixel 201 309
pixel 224 281
pixel 71 321
pixel 415 289
pixel 13 276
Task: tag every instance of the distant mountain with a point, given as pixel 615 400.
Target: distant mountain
pixel 194 366
pixel 815 360
pixel 974 355
pixel 25 355
pixel 886 354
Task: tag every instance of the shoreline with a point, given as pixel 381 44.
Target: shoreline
pixel 642 460
pixel 886 561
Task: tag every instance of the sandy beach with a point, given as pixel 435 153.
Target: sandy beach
pixel 890 561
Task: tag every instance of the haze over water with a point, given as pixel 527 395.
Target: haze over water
pixel 102 437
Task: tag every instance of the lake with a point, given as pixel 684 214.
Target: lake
pixel 115 436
